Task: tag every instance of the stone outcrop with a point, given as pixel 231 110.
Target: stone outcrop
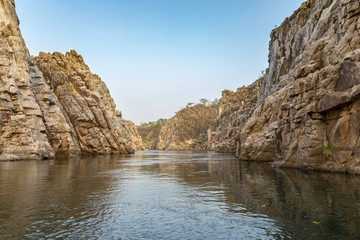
pixel 150 132
pixel 131 134
pixel 308 113
pixel 187 130
pixel 23 124
pixel 34 123
pixel 85 101
pixel 234 109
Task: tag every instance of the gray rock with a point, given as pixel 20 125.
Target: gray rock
pixel 311 94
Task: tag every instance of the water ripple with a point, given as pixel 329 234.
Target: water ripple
pixel 174 195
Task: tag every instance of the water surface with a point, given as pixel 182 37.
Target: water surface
pixel 174 195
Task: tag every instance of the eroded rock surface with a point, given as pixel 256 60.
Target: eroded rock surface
pixel 131 133
pixel 85 101
pixel 187 130
pixel 28 108
pixel 34 123
pixel 234 110
pixel 308 113
pixel 150 132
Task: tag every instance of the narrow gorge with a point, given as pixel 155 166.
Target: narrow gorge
pixel 303 113
pixel 265 161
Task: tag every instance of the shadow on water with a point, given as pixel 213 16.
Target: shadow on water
pixel 172 195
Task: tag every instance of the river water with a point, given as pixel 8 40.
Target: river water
pixel 174 195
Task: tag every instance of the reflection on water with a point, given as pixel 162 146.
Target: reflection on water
pixel 174 195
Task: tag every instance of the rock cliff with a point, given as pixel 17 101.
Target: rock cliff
pixel 34 124
pixel 150 132
pixel 234 109
pixel 131 134
pixel 308 112
pixel 23 123
pixel 85 101
pixel 187 129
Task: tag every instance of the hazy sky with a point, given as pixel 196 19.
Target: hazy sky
pixel 157 55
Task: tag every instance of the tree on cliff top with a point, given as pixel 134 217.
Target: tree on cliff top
pixel 204 101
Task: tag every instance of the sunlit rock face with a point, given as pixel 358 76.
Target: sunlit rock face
pixel 308 112
pixel 187 130
pixel 28 108
pixel 85 101
pixel 131 134
pixel 34 122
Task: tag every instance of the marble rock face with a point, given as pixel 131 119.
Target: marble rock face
pixel 187 130
pixel 308 112
pixel 38 121
pixel 85 101
pixel 233 111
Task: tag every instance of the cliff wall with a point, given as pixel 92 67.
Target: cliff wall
pixel 130 133
pixel 187 130
pixel 150 132
pixel 85 101
pixel 234 109
pixel 33 123
pixel 23 90
pixel 308 113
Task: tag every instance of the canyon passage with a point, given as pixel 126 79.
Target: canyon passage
pixel 277 159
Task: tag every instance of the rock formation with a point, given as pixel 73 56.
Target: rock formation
pixel 150 132
pixel 308 113
pixel 35 122
pixel 85 101
pixel 187 129
pixel 130 132
pixel 23 132
pixel 234 109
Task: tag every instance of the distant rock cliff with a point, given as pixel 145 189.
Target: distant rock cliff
pixel 308 113
pixel 150 132
pixel 38 117
pixel 234 109
pixel 187 129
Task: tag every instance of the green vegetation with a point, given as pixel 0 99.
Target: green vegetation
pixel 327 151
pixel 152 125
pixel 203 137
pixel 203 101
pixel 150 131
pixel 189 104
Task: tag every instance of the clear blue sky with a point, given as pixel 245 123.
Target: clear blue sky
pixel 157 55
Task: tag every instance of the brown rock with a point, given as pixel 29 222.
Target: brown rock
pixel 187 130
pixel 96 126
pixel 23 125
pixel 35 122
pixel 150 132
